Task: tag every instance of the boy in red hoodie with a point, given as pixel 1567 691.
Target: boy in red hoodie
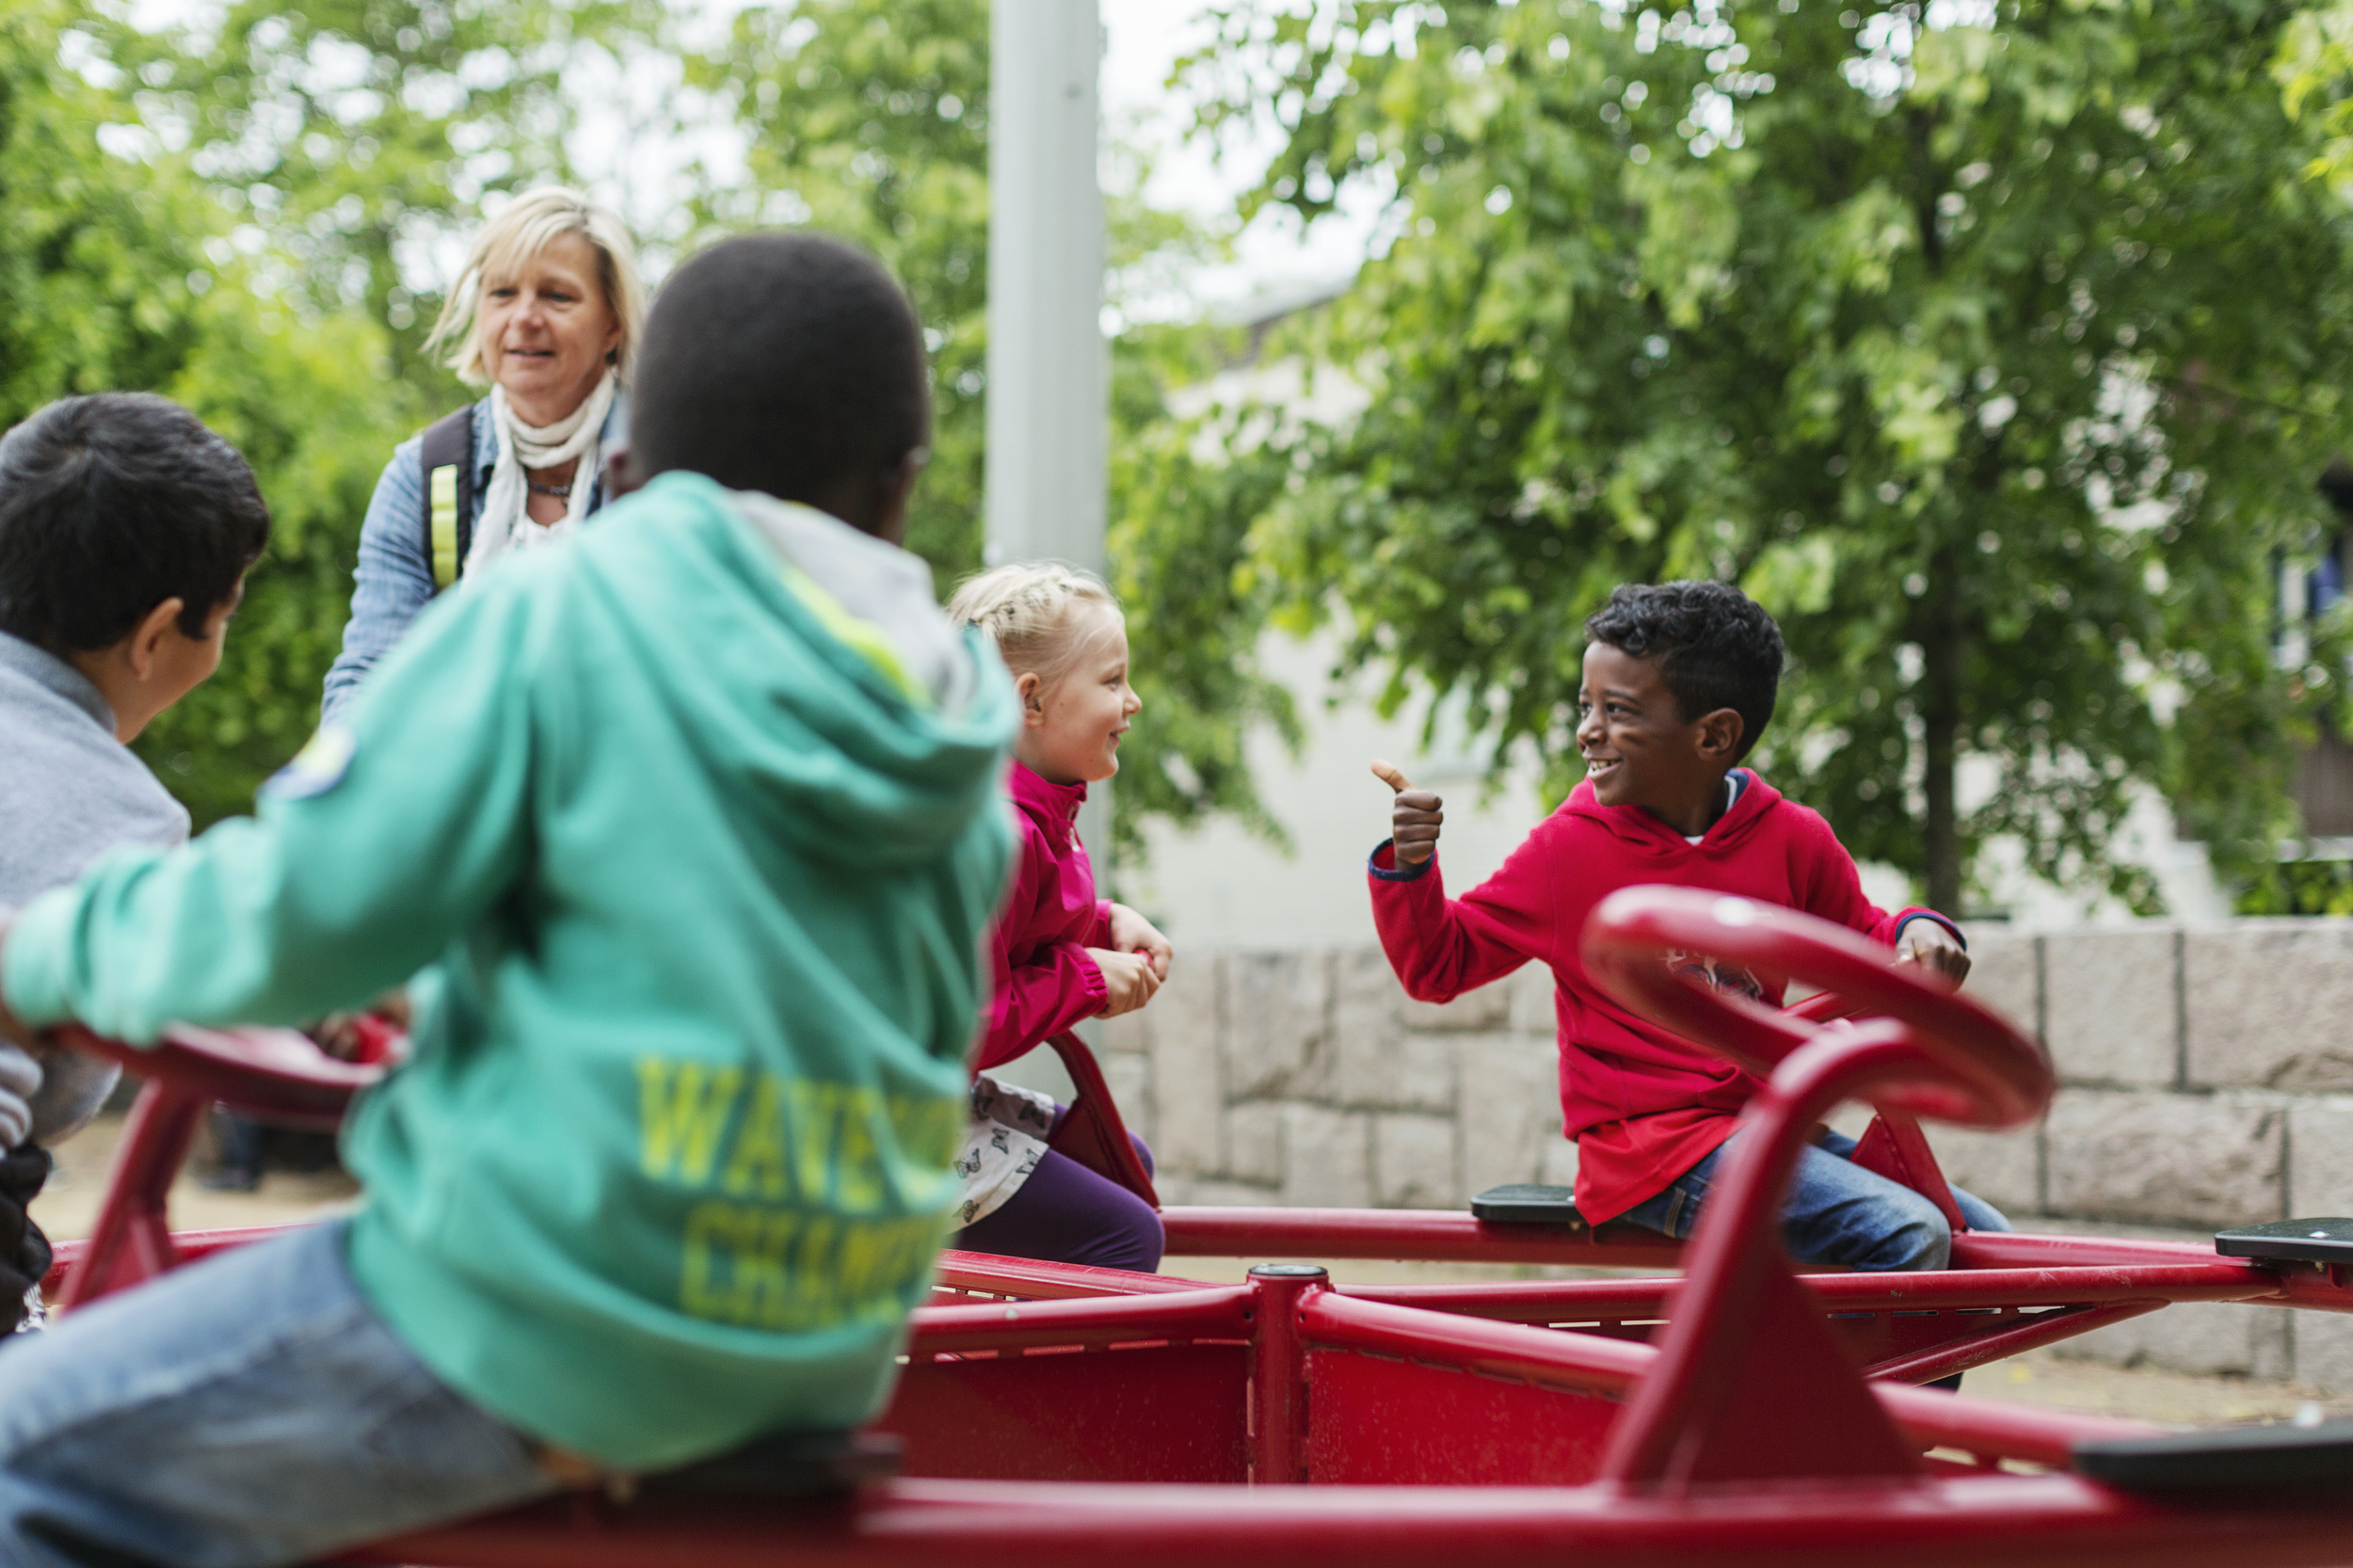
pixel 1678 683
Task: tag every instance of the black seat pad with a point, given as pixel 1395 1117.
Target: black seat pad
pixel 2317 1458
pixel 784 1466
pixel 1526 1203
pixel 2324 1240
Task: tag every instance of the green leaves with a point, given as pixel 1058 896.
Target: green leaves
pixel 249 246
pixel 1920 332
pixel 119 272
pixel 1794 577
pixel 2314 67
pixel 871 120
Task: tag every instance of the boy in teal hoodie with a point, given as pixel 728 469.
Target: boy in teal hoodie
pixel 692 825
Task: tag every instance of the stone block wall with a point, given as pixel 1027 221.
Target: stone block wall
pixel 1309 1079
pixel 2207 1081
pixel 2207 1075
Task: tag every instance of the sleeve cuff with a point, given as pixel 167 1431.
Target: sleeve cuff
pixel 1090 980
pixel 1386 849
pixel 1910 915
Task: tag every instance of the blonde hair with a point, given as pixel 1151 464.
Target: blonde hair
pixel 525 227
pixel 1028 610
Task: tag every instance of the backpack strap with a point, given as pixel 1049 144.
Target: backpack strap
pixel 448 521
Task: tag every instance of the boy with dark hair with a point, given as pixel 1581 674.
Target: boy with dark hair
pixel 695 822
pixel 862 425
pixel 126 529
pixel 1679 684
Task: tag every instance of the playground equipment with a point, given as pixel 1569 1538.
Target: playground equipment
pixel 1733 1411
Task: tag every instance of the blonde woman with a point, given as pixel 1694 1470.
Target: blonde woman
pixel 545 313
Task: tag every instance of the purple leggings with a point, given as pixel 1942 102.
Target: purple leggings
pixel 1065 1213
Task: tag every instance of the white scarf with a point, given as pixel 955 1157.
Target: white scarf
pixel 503 523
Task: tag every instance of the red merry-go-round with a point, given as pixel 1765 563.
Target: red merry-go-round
pixel 1717 1407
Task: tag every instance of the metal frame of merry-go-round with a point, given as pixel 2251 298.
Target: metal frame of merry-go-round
pixel 1722 1408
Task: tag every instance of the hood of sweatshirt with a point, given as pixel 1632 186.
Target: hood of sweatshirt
pixel 894 610
pixel 1639 830
pixel 866 731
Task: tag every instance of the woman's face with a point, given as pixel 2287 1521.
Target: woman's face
pixel 546 329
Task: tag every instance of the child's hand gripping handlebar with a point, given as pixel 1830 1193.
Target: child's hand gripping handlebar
pixel 1413 818
pixel 1132 932
pixel 1928 944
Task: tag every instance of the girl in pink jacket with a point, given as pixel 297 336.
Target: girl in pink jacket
pixel 1061 953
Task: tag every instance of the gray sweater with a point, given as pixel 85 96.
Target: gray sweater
pixel 69 791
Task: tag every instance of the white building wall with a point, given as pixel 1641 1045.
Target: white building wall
pixel 1221 886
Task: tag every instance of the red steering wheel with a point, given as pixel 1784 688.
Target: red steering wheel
pixel 1975 1068
pixel 277 1073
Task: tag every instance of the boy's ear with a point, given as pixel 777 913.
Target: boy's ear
pixel 1719 735
pixel 148 636
pixel 897 489
pixel 875 501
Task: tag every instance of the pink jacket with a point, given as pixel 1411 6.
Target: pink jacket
pixel 1044 981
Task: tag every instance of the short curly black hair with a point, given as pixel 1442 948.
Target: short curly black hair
pixel 111 504
pixel 1717 648
pixel 783 362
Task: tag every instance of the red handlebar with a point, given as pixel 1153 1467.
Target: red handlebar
pixel 276 1073
pixel 1974 1067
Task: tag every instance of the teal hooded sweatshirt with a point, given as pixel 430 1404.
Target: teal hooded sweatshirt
pixel 697 880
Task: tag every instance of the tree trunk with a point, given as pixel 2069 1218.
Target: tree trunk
pixel 1940 713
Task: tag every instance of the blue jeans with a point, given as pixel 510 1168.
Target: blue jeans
pixel 248 1410
pixel 1836 1211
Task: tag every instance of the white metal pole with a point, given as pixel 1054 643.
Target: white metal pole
pixel 1047 403
pixel 1049 369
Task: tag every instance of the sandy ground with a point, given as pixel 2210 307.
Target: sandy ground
pixel 70 1202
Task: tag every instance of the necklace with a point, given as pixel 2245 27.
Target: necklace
pixel 561 492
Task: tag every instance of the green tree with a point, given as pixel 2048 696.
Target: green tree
pixel 1997 358
pixel 2315 69
pixel 1186 495
pixel 250 246
pixel 870 119
pixel 116 273
pixel 345 137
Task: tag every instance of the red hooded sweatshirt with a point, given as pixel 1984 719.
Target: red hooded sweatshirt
pixel 1044 981
pixel 1644 1105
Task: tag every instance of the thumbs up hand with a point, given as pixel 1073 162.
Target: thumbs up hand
pixel 1415 817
